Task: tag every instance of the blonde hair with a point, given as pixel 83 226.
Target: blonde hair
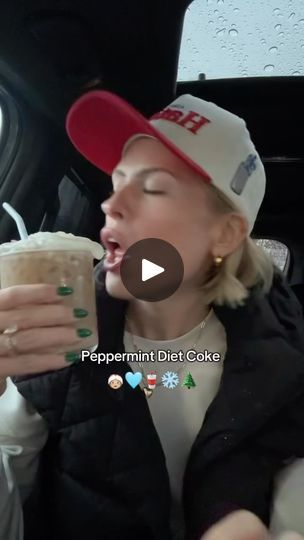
pixel 246 267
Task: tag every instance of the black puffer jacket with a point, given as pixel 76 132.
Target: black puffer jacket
pixel 102 472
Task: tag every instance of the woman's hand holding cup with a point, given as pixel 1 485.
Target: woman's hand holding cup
pixel 37 332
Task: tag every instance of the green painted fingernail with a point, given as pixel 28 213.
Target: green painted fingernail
pixel 78 312
pixel 72 357
pixel 64 291
pixel 84 332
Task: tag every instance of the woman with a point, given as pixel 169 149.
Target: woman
pixel 112 460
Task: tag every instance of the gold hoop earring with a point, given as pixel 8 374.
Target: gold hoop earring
pixel 218 260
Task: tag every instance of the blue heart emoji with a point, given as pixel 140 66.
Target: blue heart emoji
pixel 133 379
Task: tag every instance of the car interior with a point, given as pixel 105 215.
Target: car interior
pixel 51 53
pixel 148 52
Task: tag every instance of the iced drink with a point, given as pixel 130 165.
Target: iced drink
pixel 60 259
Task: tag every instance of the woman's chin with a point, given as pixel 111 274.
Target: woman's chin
pixel 115 286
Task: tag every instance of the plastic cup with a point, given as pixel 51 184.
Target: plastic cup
pixel 60 259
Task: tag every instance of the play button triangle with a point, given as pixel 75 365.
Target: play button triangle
pixel 150 269
pixel 137 270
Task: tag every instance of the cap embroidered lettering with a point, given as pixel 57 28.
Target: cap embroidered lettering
pixel 168 114
pixel 196 119
pixel 172 115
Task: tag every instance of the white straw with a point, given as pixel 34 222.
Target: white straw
pixel 18 220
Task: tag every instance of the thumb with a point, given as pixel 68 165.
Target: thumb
pixel 239 525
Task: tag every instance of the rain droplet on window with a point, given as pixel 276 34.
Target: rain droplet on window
pixel 273 50
pixel 291 16
pixel 220 2
pixel 301 21
pixel 296 73
pixel 281 34
pixel 210 22
pixel 216 12
pixel 233 33
pixel 269 68
pixel 223 47
pixel 302 46
pixel 221 32
pixel 296 26
pixel 276 11
pixel 236 10
pixel 233 25
pixel 278 26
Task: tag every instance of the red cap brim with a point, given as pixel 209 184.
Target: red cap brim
pixel 100 123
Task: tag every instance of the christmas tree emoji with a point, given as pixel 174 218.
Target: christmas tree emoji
pixel 188 381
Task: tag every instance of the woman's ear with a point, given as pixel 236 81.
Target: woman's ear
pixel 231 230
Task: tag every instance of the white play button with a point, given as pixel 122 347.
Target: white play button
pixel 150 269
pixel 137 270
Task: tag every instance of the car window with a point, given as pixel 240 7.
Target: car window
pixel 242 38
pixel 278 251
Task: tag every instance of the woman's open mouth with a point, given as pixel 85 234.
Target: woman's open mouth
pixel 113 257
pixel 114 251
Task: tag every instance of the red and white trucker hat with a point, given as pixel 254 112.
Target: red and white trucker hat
pixel 212 141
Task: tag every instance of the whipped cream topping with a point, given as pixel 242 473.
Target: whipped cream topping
pixel 48 241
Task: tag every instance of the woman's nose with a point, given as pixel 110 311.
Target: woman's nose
pixel 115 205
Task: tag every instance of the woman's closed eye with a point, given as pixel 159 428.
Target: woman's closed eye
pixel 153 191
pixel 145 190
pixel 149 186
pixel 155 187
